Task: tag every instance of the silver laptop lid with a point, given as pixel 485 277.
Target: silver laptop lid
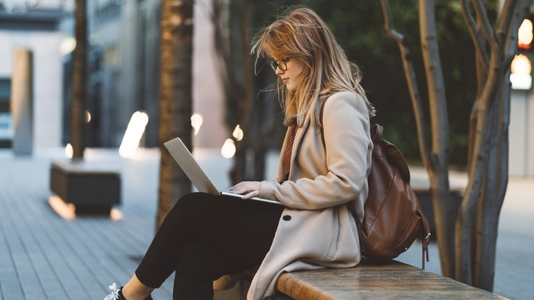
pixel 187 162
pixel 194 172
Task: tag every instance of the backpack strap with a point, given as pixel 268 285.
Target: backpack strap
pixel 376 133
pixel 321 119
pixel 425 236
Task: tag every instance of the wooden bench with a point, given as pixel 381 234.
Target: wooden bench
pixel 374 280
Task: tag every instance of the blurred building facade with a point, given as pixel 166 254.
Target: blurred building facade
pixel 521 132
pixel 34 26
pixel 123 69
pixel 124 72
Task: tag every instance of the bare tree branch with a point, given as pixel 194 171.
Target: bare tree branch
pixel 471 25
pixel 482 70
pixel 482 76
pixel 388 22
pixel 410 78
pixel 505 19
pixel 486 26
pixel 503 147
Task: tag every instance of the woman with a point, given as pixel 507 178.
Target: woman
pixel 322 177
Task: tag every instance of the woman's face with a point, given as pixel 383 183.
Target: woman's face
pixel 290 71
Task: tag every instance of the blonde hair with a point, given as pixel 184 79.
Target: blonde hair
pixel 304 36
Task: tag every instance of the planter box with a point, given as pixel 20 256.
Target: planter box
pixel 90 187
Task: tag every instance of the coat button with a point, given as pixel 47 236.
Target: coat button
pixel 286 217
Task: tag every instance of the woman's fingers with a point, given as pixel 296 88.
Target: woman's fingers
pixel 247 188
pixel 251 194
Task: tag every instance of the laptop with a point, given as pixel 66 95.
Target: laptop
pixel 194 172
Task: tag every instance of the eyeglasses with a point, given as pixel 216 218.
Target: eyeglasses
pixel 280 64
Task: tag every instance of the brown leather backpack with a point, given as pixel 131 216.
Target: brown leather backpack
pixel 393 217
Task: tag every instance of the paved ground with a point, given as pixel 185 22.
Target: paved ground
pixel 43 256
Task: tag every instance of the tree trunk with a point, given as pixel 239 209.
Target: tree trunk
pixel 79 82
pixel 477 179
pixel 444 210
pixel 175 98
pixel 490 206
pixel 238 172
pixel 488 170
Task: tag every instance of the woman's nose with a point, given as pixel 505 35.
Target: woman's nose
pixel 278 71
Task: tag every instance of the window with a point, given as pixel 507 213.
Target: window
pixel 6 130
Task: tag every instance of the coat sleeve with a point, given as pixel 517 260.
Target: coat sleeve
pixel 348 149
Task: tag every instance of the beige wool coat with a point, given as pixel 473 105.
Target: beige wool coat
pixel 317 230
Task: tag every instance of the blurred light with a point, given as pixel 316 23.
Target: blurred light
pixel 133 134
pixel 67 46
pixel 196 122
pixel 68 210
pixel 69 151
pixel 521 82
pixel 88 116
pixel 238 133
pixel 525 35
pixel 115 214
pixel 65 210
pixel 521 69
pixel 228 149
pixel 521 65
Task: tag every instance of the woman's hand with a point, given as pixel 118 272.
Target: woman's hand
pixel 248 189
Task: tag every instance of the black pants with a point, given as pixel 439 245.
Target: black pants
pixel 204 237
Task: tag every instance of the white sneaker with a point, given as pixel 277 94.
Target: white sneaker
pixel 115 293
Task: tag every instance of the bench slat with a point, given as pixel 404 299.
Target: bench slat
pixel 374 280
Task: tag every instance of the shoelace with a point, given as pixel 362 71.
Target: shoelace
pixel 114 293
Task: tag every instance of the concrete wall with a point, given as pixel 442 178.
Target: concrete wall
pixel 208 91
pixel 47 80
pixel 521 161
